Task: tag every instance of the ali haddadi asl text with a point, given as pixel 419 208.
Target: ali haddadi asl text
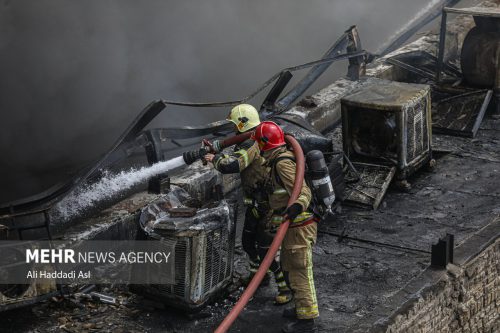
pixel 58 275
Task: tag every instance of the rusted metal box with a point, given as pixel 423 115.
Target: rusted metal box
pixel 388 123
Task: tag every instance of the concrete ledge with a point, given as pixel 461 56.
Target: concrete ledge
pixel 477 243
pixel 115 223
pixel 409 300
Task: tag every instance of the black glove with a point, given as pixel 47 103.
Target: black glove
pixel 293 211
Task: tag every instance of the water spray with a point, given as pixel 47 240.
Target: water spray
pixel 111 186
pixel 108 187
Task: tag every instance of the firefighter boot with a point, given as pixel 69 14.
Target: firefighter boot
pixel 253 266
pixel 300 326
pixel 290 313
pixel 285 294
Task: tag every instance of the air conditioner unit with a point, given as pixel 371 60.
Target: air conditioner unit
pixel 386 124
pixel 204 252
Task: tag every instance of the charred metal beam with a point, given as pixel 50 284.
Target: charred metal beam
pixel 357 66
pixel 423 73
pixel 268 104
pixel 423 63
pixel 442 37
pixel 496 88
pixel 350 37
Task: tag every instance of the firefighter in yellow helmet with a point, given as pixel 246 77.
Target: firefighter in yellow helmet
pixel 246 160
pixel 296 249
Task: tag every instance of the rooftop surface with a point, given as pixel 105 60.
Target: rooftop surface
pixel 354 277
pixel 383 251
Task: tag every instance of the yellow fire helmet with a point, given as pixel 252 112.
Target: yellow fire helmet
pixel 244 116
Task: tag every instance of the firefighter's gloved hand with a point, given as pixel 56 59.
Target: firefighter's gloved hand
pixel 217 146
pixel 212 147
pixel 293 211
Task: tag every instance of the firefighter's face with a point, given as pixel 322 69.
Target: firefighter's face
pixel 261 145
pixel 266 153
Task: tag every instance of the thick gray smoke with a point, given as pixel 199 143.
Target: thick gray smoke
pixel 75 73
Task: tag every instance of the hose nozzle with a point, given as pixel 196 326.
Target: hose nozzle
pixel 194 155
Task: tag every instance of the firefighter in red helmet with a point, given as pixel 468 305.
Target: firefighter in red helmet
pixel 246 160
pixel 296 249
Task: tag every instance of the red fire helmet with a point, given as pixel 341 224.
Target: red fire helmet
pixel 268 135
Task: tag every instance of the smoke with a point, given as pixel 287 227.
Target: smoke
pixel 430 5
pixel 75 73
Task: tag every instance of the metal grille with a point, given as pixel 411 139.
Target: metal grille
pixel 219 258
pixel 417 136
pixel 182 268
pixel 458 111
pixel 370 187
pixel 213 261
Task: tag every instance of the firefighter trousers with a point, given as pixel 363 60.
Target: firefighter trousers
pixel 256 240
pixel 249 236
pixel 296 260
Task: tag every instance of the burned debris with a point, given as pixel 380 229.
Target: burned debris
pixel 463 76
pixel 204 241
pixel 385 123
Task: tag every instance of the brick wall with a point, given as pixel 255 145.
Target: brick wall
pixel 465 299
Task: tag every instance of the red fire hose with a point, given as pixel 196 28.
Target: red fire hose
pixel 278 238
pixel 236 139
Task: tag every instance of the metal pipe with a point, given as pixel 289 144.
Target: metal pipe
pixel 496 88
pixel 442 37
pixel 278 238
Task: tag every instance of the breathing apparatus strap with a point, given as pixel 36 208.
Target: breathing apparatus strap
pixel 303 218
pixel 273 168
